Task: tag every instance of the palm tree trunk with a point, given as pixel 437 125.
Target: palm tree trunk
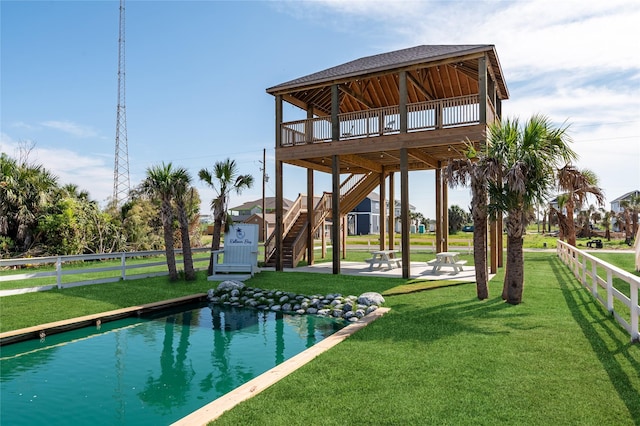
pixel 514 275
pixel 187 256
pixel 168 240
pixel 479 212
pixel 571 227
pixel 215 242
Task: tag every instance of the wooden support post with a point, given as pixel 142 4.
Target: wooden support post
pixel 402 87
pixel 383 211
pixel 438 180
pixel 482 88
pixel 500 236
pixel 493 243
pixel 343 233
pixel 279 188
pixel 392 212
pixel 310 216
pixel 404 212
pixel 335 213
pixel 335 110
pixel 445 212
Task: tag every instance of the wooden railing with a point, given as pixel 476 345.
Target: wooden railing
pixel 67 266
pixel 594 273
pixel 288 221
pixel 429 115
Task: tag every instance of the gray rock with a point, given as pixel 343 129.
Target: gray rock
pixel 312 311
pixel 370 309
pixel 229 285
pixel 276 308
pixel 371 298
pixel 287 307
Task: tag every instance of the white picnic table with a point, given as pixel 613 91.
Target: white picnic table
pixel 447 259
pixel 386 257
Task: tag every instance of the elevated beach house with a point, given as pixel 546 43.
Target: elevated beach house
pixel 371 119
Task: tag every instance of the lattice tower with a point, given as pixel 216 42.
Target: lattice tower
pixel 121 182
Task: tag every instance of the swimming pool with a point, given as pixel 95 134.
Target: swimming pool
pixel 152 370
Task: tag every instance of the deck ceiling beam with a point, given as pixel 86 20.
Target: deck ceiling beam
pixel 414 81
pixel 309 165
pixel 358 161
pixel 354 95
pixel 421 156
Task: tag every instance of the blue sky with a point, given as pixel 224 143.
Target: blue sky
pixel 196 74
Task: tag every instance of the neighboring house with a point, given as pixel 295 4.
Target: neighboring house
pixel 244 211
pixel 365 218
pixel 615 204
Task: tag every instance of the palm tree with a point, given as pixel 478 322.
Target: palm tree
pixel 463 172
pixel 161 184
pixel 26 192
pixel 527 157
pixel 183 190
pixel 577 184
pixel 224 179
pixel 631 209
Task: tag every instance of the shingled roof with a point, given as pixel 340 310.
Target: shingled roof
pixel 393 60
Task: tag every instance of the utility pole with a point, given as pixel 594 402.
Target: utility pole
pixel 121 182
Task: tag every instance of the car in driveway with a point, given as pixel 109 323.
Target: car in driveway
pixel 467 228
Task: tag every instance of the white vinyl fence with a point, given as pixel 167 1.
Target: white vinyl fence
pixel 42 276
pixel 597 274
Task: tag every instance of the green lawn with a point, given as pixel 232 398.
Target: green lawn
pixel 440 356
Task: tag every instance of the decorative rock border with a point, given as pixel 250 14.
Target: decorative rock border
pixel 349 308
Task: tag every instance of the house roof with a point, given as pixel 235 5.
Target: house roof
pixel 270 203
pixel 626 196
pixel 417 56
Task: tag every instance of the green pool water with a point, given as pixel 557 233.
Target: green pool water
pixel 148 371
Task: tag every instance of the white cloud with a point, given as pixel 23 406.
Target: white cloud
pixel 71 128
pixel 91 173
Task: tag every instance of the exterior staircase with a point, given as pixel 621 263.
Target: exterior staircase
pixel 354 189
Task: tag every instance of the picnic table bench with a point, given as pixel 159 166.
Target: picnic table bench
pixel 447 259
pixel 387 257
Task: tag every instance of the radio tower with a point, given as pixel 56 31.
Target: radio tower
pixel 121 181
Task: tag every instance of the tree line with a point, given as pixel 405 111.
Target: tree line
pixel 41 217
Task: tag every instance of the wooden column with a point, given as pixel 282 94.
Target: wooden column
pixel 343 235
pixel 404 212
pixel 335 213
pixel 310 216
pixel 335 110
pixel 392 212
pixel 445 212
pixel 402 86
pixel 500 241
pixel 279 188
pixel 383 211
pixel 493 243
pixel 438 209
pixel 482 88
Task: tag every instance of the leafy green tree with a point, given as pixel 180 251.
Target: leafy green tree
pixel 527 156
pixel 457 218
pixel 160 183
pixel 25 192
pixel 224 179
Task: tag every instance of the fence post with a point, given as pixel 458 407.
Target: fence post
pixel 594 278
pixel 59 272
pixel 609 290
pixel 123 266
pixel 635 333
pixel 584 270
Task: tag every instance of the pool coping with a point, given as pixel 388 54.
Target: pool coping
pixel 35 331
pixel 217 407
